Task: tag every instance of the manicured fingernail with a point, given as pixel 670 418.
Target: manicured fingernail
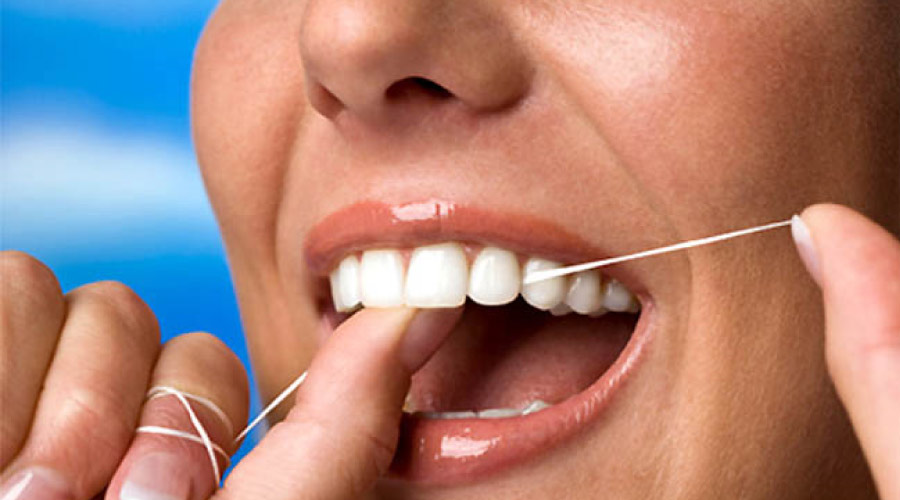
pixel 806 248
pixel 36 483
pixel 157 476
pixel 425 333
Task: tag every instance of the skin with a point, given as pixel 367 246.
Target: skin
pixel 705 117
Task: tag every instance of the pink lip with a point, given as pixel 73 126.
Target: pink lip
pixel 454 451
pixel 370 223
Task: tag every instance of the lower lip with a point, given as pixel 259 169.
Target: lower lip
pixel 445 452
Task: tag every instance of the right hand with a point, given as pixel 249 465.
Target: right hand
pixel 74 372
pixel 76 368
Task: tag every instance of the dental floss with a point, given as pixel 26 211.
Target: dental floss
pixel 212 448
pixel 547 274
pixel 203 438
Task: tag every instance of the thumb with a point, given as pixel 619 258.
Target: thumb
pixel 342 433
pixel 857 265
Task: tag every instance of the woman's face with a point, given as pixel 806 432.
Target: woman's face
pixel 568 130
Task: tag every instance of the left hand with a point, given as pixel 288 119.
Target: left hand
pixel 857 265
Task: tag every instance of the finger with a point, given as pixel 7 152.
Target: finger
pixel 857 264
pixel 342 433
pixel 92 395
pixel 31 315
pixel 160 467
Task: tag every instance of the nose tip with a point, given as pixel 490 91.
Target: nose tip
pixel 369 58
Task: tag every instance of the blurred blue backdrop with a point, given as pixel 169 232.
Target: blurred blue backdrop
pixel 99 179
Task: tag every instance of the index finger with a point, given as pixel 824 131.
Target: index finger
pixel 857 264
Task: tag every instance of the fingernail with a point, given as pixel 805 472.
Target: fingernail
pixel 157 476
pixel 35 483
pixel 806 248
pixel 425 333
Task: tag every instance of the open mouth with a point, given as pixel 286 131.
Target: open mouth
pixel 525 368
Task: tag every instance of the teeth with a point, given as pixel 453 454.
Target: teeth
pixel 535 406
pixel 545 294
pixel 437 276
pixel 381 278
pixel 532 407
pixel 495 278
pixel 499 413
pixel 585 290
pixel 560 309
pixel 617 298
pixel 345 285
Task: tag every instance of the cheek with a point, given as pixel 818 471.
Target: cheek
pixel 720 107
pixel 247 93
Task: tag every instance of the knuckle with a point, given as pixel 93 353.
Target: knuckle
pixel 95 421
pixel 201 342
pixel 202 356
pixel 213 354
pixel 118 301
pixel 28 278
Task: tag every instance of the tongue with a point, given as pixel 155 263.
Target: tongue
pixel 506 357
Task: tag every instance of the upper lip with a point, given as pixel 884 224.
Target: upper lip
pixel 369 224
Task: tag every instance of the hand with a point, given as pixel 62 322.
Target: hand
pixel 76 369
pixel 857 265
pixel 74 372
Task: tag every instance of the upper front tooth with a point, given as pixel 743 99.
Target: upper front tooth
pixel 543 294
pixel 437 276
pixel 495 278
pixel 617 298
pixel 345 284
pixel 381 278
pixel 584 295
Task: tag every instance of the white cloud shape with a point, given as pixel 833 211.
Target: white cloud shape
pixel 74 186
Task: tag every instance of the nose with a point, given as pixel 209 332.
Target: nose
pixel 370 57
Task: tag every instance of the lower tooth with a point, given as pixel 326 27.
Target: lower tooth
pixel 499 413
pixel 534 406
pixel 446 415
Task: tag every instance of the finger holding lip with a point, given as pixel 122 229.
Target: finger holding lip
pixel 171 467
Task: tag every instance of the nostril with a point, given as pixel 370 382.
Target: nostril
pixel 415 87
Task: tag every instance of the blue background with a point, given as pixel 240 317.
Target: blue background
pixel 99 179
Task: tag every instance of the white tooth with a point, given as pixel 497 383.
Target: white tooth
pixel 335 279
pixel 495 278
pixel 560 309
pixel 543 294
pixel 617 298
pixel 499 413
pixel 447 415
pixel 381 278
pixel 438 276
pixel 345 285
pixel 584 295
pixel 535 406
pixel 598 312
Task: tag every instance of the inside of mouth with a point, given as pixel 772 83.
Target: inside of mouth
pixel 511 356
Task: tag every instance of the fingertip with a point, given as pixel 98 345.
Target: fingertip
pixel 425 334
pixel 806 248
